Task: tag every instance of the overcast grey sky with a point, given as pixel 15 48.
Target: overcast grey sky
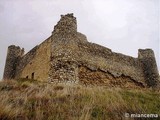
pixel 121 25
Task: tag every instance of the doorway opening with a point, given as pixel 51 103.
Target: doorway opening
pixel 32 75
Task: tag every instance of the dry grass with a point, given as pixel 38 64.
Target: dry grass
pixel 31 100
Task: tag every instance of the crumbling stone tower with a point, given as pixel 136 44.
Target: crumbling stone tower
pixel 66 56
pixel 149 67
pixel 65 40
pixel 13 55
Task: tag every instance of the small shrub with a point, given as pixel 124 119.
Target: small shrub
pixel 58 87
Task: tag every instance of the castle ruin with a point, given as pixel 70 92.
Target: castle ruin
pixel 66 56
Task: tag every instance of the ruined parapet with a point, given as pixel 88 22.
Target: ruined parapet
pixel 13 54
pixel 149 66
pixel 66 30
pixel 66 26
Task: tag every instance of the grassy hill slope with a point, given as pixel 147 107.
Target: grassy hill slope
pixel 32 100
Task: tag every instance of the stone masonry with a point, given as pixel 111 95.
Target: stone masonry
pixel 66 56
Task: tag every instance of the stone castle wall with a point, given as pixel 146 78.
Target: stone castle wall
pixel 75 60
pixel 67 56
pixel 97 58
pixel 25 60
pixel 93 58
pixel 36 63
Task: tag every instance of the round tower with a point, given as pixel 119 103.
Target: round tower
pixel 13 53
pixel 149 66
